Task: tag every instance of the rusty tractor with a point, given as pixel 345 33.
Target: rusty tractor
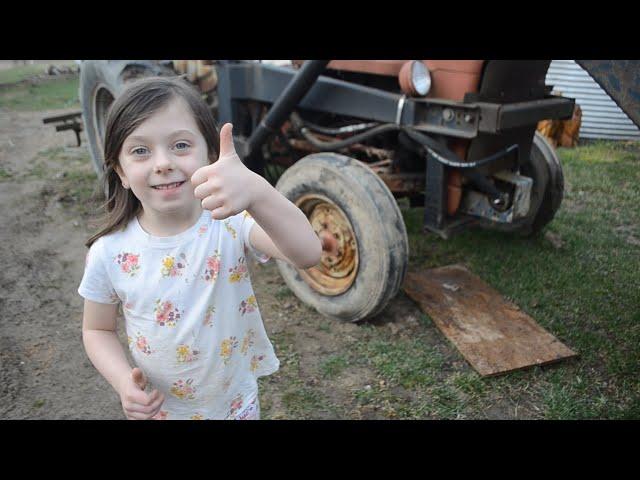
pixel 345 140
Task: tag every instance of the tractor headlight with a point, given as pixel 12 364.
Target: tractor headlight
pixel 415 79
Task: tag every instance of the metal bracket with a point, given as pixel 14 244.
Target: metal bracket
pixel 68 122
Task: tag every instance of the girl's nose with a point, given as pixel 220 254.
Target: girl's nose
pixel 162 162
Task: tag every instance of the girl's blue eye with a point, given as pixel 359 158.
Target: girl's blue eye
pixel 182 145
pixel 139 151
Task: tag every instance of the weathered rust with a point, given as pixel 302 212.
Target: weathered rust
pixel 454 177
pixel 338 264
pixel 306 146
pixel 492 334
pixel 403 183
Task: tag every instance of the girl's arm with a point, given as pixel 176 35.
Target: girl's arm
pixel 106 353
pixel 282 230
pixel 102 344
pixel 227 187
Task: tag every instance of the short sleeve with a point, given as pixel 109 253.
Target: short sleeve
pixel 247 224
pixel 95 284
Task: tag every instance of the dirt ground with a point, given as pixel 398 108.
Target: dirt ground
pixel 44 371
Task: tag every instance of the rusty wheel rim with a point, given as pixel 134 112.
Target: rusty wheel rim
pixel 338 266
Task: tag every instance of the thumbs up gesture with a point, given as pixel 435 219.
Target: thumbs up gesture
pixel 136 403
pixel 226 187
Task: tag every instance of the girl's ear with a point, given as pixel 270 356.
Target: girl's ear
pixel 123 177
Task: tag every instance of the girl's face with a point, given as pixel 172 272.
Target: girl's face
pixel 159 157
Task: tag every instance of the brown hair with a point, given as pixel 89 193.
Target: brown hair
pixel 140 100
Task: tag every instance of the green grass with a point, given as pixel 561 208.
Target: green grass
pixel 56 93
pixel 5 174
pixel 333 366
pixel 408 363
pixel 22 72
pixel 586 293
pixel 284 293
pixel 16 74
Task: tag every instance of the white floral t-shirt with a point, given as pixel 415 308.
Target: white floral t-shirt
pixel 192 320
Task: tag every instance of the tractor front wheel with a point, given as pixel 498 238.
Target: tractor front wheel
pixel 365 244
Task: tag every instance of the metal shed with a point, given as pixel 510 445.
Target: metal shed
pixel 601 116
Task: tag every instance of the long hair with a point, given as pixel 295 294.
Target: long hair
pixel 139 101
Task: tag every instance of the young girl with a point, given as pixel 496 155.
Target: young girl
pixel 181 215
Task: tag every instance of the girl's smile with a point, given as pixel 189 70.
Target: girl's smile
pixel 169 187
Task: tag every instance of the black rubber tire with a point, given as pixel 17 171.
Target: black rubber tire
pixel 378 225
pixel 101 81
pixel 546 194
pixel 554 191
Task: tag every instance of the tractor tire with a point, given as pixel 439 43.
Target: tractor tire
pixel 554 191
pixel 365 267
pixel 546 193
pixel 101 81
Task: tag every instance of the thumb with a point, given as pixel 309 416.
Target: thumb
pixel 226 140
pixel 139 378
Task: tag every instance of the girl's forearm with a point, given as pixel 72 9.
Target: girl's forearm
pixel 285 224
pixel 106 353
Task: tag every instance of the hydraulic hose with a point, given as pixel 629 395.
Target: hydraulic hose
pixel 339 144
pixel 438 151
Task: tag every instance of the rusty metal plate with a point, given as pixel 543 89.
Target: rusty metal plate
pixel 492 334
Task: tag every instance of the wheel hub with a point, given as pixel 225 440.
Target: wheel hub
pixel 338 265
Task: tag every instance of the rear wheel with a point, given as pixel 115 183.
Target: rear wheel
pixel 365 245
pixel 546 193
pixel 101 81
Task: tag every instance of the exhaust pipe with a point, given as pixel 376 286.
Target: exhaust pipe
pixel 286 102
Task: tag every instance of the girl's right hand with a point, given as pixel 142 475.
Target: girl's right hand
pixel 136 403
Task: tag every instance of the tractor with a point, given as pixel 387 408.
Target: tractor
pixel 346 140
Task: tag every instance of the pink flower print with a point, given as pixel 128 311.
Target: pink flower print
pixel 184 390
pixel 255 360
pixel 236 405
pixel 226 348
pixel 230 229
pixel 197 416
pixel 172 267
pixel 202 230
pixel 208 316
pixel 247 341
pixel 185 354
pixel 128 263
pixel 213 267
pixel 238 272
pixel 250 412
pixel 249 305
pixel 161 415
pixel 142 345
pixel 166 313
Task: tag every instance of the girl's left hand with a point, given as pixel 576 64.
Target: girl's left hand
pixel 226 187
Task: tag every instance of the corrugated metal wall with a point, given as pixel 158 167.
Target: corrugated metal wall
pixel 601 117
